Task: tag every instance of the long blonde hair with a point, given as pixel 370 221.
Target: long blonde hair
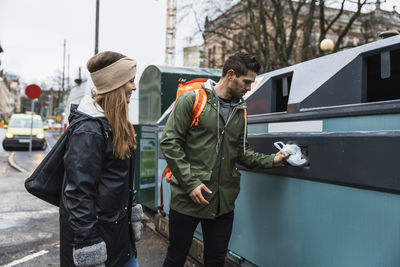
pixel 115 109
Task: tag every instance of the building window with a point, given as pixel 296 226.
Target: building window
pixel 209 58
pixel 213 57
pixel 240 39
pixel 223 45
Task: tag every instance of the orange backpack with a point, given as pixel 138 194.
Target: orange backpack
pixel 201 96
pixel 198 107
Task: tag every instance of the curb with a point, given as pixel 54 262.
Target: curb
pixel 12 163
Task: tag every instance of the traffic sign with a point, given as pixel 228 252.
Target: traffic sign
pixel 33 91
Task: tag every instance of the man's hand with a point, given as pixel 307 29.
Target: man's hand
pixel 279 158
pixel 197 196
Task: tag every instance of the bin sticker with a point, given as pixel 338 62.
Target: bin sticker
pixel 147 163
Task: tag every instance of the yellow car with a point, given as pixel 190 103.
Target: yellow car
pixel 19 132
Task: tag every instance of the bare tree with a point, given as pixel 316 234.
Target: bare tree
pixel 278 32
pixel 328 23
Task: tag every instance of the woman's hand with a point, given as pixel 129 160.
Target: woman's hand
pixel 92 255
pixel 137 219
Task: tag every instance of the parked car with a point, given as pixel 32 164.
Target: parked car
pixel 18 132
pixel 53 124
pixel 57 126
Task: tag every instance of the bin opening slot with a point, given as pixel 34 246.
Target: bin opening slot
pixel 281 93
pixel 304 151
pixel 385 65
pixel 383 76
pixel 297 159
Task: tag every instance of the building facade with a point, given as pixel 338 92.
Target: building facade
pixel 220 44
pixel 10 96
pixel 193 56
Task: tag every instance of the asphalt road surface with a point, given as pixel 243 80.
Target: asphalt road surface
pixel 27 224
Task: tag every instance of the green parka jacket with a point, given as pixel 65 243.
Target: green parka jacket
pixel 193 157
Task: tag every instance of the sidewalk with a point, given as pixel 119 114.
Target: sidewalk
pixel 27 161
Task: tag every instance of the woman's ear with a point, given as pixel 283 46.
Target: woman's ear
pixel 93 93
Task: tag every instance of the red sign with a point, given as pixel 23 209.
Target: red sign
pixel 33 91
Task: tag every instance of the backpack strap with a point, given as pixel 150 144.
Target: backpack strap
pixel 198 107
pixel 168 174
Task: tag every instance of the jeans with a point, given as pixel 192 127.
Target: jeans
pixel 132 261
pixel 216 235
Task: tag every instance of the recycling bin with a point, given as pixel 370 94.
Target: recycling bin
pixel 158 85
pixel 342 208
pixel 157 91
pixel 145 165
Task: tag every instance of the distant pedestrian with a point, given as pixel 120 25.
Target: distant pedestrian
pixel 202 159
pixel 98 225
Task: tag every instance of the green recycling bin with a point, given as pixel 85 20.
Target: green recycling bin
pixel 145 165
pixel 157 91
pixel 158 85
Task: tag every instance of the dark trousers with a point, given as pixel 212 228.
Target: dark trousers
pixel 216 235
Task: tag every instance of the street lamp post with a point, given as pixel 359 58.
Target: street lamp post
pixel 326 45
pixel 96 42
pixel 61 101
pixel 30 138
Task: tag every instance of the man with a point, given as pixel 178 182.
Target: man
pixel 205 181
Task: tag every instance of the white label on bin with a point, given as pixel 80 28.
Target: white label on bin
pixel 295 126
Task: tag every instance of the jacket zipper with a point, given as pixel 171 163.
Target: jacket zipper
pixel 235 109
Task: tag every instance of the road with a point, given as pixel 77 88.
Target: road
pixel 27 224
pixel 29 234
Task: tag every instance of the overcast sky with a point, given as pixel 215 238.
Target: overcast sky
pixel 32 33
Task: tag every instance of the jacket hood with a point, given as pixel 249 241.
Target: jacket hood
pixel 88 107
pixel 209 86
pixel 87 110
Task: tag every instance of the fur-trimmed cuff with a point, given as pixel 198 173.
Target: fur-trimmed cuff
pixel 137 213
pixel 90 255
pixel 137 228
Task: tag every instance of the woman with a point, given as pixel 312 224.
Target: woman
pixel 96 204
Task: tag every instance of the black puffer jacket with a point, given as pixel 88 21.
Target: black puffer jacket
pixel 97 192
